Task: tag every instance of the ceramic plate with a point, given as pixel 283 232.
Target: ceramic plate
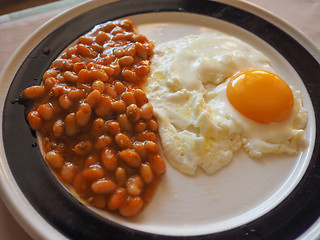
pixel 272 198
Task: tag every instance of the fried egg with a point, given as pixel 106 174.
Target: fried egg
pixel 207 93
pixel 279 130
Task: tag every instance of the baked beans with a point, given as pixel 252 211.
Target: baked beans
pixel 96 125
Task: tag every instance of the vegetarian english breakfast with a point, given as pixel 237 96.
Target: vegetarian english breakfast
pixel 114 106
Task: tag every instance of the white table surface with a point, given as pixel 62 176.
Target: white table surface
pixel 303 14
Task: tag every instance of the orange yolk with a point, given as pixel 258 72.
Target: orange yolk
pixel 260 96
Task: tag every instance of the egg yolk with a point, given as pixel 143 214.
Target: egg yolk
pixel 260 96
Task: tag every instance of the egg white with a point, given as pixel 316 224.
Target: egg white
pixel 198 126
